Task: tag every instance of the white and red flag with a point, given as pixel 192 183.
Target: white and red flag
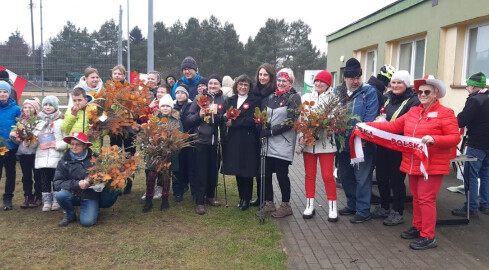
pixel 19 82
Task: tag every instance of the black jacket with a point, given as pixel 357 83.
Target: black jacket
pixel 207 133
pixel 396 101
pixel 183 110
pixel 475 116
pixel 379 86
pixel 69 172
pixel 239 151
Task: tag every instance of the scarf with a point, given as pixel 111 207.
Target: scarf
pixel 48 119
pixel 279 93
pixel 388 140
pixel 81 156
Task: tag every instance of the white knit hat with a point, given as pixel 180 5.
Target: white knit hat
pixel 402 75
pixel 166 100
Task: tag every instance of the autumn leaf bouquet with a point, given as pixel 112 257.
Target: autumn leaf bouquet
pixel 205 104
pixel 3 147
pixel 117 107
pixel 232 113
pixel 111 168
pixel 159 141
pixel 325 118
pixel 24 128
pixel 260 117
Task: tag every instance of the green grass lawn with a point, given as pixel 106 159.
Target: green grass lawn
pixel 124 237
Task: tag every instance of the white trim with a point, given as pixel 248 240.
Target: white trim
pixel 413 54
pixel 367 76
pixel 333 82
pixel 466 50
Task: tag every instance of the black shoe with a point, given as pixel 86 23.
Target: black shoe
pixel 359 219
pixel 423 243
pixel 7 204
pixel 65 221
pixel 484 210
pixel 178 198
pixel 164 203
pixel 412 233
pixel 148 204
pixel 346 212
pixel 128 187
pixel 462 212
pixel 255 202
pixel 244 205
pixel 239 204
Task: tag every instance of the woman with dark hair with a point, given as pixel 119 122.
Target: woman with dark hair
pixel 239 151
pixel 266 83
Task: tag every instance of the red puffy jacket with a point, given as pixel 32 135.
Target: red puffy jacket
pixel 440 123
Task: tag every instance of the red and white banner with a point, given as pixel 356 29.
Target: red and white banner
pixel 388 140
pixel 19 82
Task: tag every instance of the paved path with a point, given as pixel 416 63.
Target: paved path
pixel 319 244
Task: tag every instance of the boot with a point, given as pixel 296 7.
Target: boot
pixel 333 212
pixel 37 200
pixel 212 202
pixel 25 204
pixel 47 197
pixel 55 206
pixel 148 205
pixel 7 204
pixel 164 203
pixel 33 201
pixel 310 211
pixel 128 187
pixel 269 207
pixel 283 211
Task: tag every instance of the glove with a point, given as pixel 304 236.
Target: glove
pixel 265 133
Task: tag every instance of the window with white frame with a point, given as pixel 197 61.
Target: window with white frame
pixel 477 50
pixel 333 76
pixel 370 64
pixel 411 57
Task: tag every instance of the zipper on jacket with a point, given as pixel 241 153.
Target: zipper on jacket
pixel 414 131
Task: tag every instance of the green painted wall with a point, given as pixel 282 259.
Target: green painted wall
pixel 420 17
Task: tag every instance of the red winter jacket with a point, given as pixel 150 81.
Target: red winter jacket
pixel 440 123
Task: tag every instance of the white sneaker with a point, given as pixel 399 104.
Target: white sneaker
pixel 55 206
pixel 47 207
pixel 144 196
pixel 158 192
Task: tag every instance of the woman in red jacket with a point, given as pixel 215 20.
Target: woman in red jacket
pixel 437 126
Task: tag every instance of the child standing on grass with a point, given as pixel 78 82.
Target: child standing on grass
pixel 50 149
pixel 173 117
pixel 27 154
pixel 8 112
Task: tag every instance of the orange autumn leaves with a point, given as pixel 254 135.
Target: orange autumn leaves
pixel 113 167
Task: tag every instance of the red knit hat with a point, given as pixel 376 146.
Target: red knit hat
pixel 323 76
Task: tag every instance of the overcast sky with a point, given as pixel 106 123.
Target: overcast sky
pixel 323 16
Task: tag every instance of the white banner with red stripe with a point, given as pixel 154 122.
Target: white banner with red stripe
pixel 18 82
pixel 388 140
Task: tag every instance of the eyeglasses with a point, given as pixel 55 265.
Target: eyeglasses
pixel 245 85
pixel 426 92
pixel 76 144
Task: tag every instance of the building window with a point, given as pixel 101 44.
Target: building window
pixel 477 52
pixel 411 57
pixel 370 64
pixel 333 81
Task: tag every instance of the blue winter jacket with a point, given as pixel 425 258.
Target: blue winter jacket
pixel 364 103
pixel 8 112
pixel 192 86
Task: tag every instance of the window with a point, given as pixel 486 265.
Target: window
pixel 477 50
pixel 333 81
pixel 411 57
pixel 371 64
pixel 341 78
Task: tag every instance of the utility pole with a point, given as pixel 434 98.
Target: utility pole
pixel 151 65
pixel 42 54
pixel 31 6
pixel 128 47
pixel 119 43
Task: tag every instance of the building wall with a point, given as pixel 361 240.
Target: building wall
pixel 444 27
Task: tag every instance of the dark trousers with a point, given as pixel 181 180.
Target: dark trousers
pixel 152 177
pixel 390 177
pixel 8 161
pixel 281 168
pixel 28 170
pixel 206 180
pixel 186 170
pixel 124 142
pixel 47 176
pixel 245 187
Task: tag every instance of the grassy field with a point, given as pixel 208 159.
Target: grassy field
pixel 125 238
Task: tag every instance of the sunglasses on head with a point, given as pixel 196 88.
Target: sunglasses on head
pixel 426 92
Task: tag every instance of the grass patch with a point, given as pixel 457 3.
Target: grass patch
pixel 124 237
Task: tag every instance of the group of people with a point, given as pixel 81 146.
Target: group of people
pixel 240 145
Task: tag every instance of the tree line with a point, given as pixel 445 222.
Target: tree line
pixel 215 46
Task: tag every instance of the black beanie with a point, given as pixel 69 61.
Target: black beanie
pixel 352 68
pixel 4 76
pixel 215 76
pixel 189 62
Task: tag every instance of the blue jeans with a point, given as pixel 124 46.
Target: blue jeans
pixel 89 208
pixel 357 182
pixel 474 170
